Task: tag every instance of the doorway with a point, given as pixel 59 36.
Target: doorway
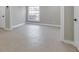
pixel 33 14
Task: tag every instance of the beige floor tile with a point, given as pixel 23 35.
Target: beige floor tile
pixel 33 38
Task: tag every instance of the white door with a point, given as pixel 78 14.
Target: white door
pixel 76 25
pixel 2 16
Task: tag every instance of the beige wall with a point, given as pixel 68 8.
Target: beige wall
pixel 17 15
pixel 68 23
pixel 50 15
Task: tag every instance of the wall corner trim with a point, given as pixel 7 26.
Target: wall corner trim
pixel 15 26
pixel 68 42
pixel 43 24
pixel 72 43
pixel 6 29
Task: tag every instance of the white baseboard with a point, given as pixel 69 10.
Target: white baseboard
pixel 4 28
pixel 68 42
pixel 17 25
pixel 45 24
pixel 77 46
pixel 7 29
pixel 51 25
pixel 71 42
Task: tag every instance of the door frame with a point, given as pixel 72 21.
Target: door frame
pixel 62 28
pixel 62 23
pixel 75 24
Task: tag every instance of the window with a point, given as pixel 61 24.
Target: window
pixel 34 13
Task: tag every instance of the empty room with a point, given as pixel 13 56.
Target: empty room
pixel 39 28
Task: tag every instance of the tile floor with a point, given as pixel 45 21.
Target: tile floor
pixel 33 38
